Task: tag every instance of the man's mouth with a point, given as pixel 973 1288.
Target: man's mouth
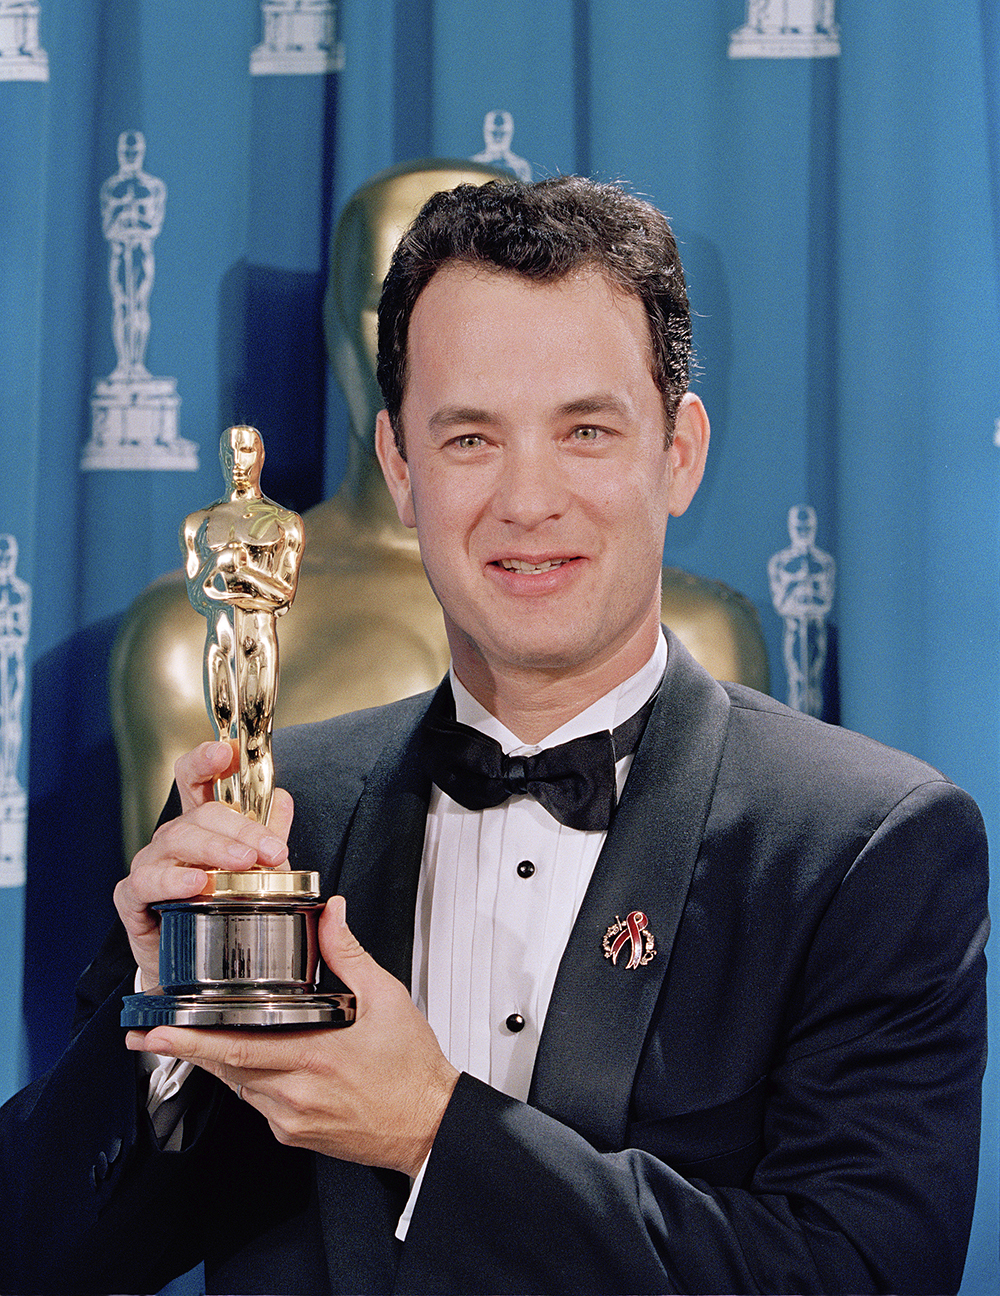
pixel 518 565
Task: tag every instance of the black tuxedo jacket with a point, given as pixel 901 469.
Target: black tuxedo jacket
pixel 784 1099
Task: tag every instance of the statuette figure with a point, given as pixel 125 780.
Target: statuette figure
pixel 242 557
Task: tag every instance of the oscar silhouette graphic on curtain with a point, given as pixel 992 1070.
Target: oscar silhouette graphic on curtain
pixel 134 414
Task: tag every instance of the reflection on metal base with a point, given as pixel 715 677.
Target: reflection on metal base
pixel 293 1011
pixel 244 953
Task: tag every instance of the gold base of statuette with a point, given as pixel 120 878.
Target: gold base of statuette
pixel 261 883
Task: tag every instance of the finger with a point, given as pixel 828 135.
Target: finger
pixel 279 821
pixel 148 886
pixel 196 771
pixel 346 957
pixel 235 1057
pixel 216 836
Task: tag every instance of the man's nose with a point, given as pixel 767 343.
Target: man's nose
pixel 530 487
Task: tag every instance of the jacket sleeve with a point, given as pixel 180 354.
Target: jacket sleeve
pixel 867 1175
pixel 68 1145
pixel 91 1205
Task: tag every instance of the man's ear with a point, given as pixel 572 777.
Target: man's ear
pixel 395 469
pixel 687 452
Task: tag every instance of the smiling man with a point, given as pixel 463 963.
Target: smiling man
pixel 662 987
pixel 534 456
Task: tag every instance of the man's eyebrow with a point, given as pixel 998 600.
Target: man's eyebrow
pixel 450 416
pixel 599 403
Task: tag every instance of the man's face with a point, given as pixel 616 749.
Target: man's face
pixel 536 472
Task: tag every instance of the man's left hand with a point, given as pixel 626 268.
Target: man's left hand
pixel 372 1092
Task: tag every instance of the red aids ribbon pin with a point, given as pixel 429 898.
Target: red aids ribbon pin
pixel 634 930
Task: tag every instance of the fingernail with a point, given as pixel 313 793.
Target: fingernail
pixel 240 853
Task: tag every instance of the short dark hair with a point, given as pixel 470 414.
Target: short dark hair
pixel 544 232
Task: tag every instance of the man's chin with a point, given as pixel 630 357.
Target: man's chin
pixel 573 646
pixel 559 654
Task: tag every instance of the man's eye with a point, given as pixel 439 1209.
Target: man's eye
pixel 587 433
pixel 469 442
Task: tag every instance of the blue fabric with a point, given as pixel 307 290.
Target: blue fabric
pixel 839 221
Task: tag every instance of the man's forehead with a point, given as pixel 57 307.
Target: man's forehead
pixel 462 297
pixel 470 292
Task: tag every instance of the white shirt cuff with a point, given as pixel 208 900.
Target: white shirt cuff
pixel 166 1076
pixel 411 1201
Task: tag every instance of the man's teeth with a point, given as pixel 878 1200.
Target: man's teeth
pixel 515 564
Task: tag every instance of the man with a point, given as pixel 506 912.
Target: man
pixel 731 1042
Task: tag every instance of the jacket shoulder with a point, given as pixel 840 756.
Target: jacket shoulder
pixel 346 744
pixel 797 754
pixel 327 765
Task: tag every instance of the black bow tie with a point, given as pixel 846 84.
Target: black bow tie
pixel 575 781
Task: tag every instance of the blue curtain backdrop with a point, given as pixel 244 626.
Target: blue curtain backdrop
pixel 832 172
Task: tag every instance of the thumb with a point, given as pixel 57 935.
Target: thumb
pixel 345 956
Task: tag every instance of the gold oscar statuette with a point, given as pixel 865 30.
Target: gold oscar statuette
pixel 245 952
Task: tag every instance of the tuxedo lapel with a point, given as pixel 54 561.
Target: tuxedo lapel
pixel 378 877
pixel 600 1011
pixel 382 855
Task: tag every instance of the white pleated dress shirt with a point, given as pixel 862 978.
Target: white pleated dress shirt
pixel 498 895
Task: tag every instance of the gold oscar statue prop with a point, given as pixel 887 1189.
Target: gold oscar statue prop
pixel 245 952
pixel 366 627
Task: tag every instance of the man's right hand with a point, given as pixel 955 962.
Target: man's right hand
pixel 207 834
